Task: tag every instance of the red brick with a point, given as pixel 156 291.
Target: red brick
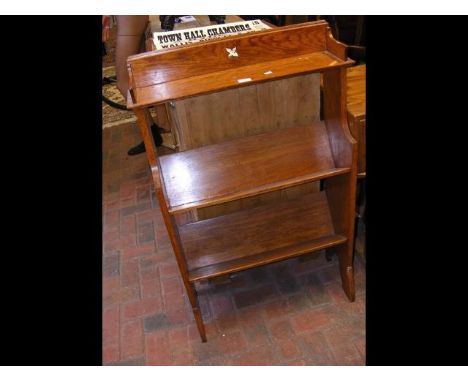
pixel 169 270
pixel 110 236
pixel 110 285
pixel 154 200
pixel 111 265
pixel 183 358
pixel 129 273
pixel 162 238
pixel 344 335
pixel 360 281
pixel 150 273
pixel 113 244
pixel 354 310
pixel 231 343
pixel 360 345
pixel 315 346
pixel 281 330
pixel 149 262
pixel 127 190
pixel 251 317
pixel 127 241
pixel 179 338
pixel 204 306
pixel 313 320
pixel 145 234
pixel 174 301
pixel 150 288
pixel 192 330
pixel 121 296
pixel 227 345
pixel 127 224
pixel 296 362
pixel 110 325
pixel 109 196
pixel 141 308
pixel 288 348
pixel 335 290
pixel 130 210
pixel 112 205
pixel 110 353
pixel 178 315
pixel 143 194
pixel 347 355
pixel 139 361
pixel 110 228
pixel 258 356
pixel 146 216
pixel 298 303
pixel 276 309
pixel 140 251
pixel 257 334
pixel 172 285
pixel 112 218
pixel 228 322
pixel 316 291
pixel 127 202
pixel 221 304
pixel 157 347
pixel 131 340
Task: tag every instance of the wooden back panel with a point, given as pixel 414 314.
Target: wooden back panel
pixel 221 116
pixel 203 58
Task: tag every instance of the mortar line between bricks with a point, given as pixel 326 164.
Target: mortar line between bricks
pixel 330 347
pixel 136 228
pixel 140 293
pixel 120 334
pixel 120 331
pixel 144 340
pixel 163 297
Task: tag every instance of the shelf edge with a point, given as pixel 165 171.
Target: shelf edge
pixel 269 257
pixel 285 183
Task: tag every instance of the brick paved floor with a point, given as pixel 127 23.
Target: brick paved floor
pixel 289 313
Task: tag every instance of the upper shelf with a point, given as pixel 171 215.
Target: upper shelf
pixel 162 76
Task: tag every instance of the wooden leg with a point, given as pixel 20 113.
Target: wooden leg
pixel 345 258
pixel 144 122
pixel 197 312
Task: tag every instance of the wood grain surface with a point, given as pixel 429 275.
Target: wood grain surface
pixel 258 236
pixel 200 68
pixel 247 166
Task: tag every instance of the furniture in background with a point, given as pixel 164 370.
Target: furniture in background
pixel 217 169
pixel 356 105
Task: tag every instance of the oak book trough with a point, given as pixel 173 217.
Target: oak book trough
pixel 252 165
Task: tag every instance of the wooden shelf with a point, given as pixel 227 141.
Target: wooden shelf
pixel 237 77
pixel 247 166
pixel 205 67
pixel 258 236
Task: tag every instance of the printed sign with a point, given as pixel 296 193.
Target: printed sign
pixel 163 40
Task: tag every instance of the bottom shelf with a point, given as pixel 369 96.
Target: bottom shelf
pixel 258 236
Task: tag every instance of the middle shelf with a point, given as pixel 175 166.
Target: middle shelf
pixel 247 166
